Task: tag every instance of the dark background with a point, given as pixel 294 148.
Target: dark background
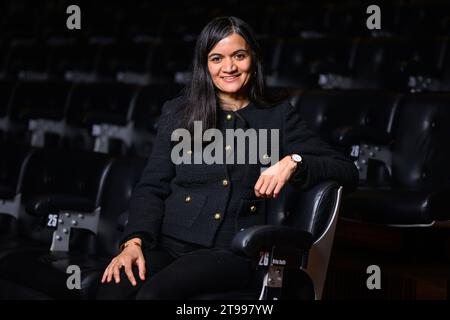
pixel 100 89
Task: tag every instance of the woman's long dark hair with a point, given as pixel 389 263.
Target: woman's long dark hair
pixel 200 92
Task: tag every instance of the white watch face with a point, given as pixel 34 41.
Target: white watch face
pixel 297 158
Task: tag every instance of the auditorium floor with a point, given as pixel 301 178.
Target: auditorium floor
pixel 414 263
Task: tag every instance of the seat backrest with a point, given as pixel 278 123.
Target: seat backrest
pixel 53 174
pixel 119 184
pixel 100 103
pixel 327 112
pixel 63 171
pixel 37 99
pixel 73 58
pixel 12 165
pixel 420 151
pixel 314 210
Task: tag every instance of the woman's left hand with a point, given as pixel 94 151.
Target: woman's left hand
pixel 274 178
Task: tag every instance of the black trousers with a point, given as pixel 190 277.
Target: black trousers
pixel 182 277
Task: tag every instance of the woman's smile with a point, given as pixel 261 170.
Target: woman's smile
pixel 230 79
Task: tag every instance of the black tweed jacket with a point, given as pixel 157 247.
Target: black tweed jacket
pixel 188 201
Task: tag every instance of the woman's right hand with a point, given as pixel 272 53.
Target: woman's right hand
pixel 130 255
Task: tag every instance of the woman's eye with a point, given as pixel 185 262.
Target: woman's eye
pixel 240 56
pixel 215 59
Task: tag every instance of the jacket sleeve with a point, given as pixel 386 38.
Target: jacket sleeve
pixel 320 161
pixel 147 201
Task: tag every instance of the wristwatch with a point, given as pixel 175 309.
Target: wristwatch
pixel 297 159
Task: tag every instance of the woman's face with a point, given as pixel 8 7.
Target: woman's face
pixel 229 64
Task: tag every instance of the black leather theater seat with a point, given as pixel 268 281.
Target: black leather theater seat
pixel 294 247
pixel 74 61
pixel 40 107
pixel 49 274
pixel 344 118
pixel 100 102
pixel 51 181
pixel 94 106
pixel 419 183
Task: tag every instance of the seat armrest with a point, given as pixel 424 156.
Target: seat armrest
pixel 250 242
pixel 44 204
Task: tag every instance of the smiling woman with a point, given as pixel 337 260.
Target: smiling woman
pixel 183 217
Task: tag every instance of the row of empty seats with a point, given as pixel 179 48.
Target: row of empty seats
pixel 100 116
pixel 398 143
pixel 274 18
pixel 410 64
pixel 396 139
pixel 75 61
